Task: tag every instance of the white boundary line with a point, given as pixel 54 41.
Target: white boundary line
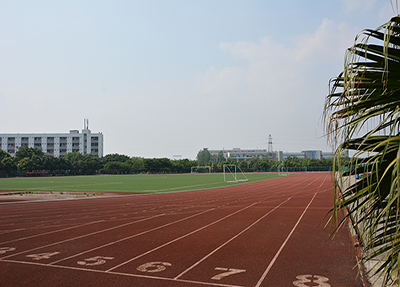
pixel 283 244
pixel 183 236
pixel 120 273
pixel 81 236
pixel 234 237
pixel 50 232
pixel 132 236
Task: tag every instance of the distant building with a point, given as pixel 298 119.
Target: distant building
pixel 244 154
pixel 55 144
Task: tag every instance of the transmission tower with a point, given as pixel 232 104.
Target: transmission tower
pixel 270 149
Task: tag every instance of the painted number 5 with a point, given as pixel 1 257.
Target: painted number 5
pixel 97 260
pixel 154 267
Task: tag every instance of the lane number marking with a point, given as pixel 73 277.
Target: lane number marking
pixel 154 267
pixel 228 272
pixel 6 249
pixel 41 256
pixel 93 261
pixel 315 279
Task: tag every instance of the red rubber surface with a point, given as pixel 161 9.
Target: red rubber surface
pixel 268 233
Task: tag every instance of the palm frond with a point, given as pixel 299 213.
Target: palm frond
pixel 362 113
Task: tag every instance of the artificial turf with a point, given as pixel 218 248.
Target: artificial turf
pixel 139 183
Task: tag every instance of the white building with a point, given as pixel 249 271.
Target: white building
pixel 57 144
pixel 244 154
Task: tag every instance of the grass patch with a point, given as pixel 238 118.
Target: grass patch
pixel 141 183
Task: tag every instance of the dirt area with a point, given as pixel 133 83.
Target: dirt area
pixel 15 195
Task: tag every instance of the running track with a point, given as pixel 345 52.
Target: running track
pixel 269 233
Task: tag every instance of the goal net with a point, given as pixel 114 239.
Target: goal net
pixel 233 173
pixel 200 169
pixel 282 170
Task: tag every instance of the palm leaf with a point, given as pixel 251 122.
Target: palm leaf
pixel 362 113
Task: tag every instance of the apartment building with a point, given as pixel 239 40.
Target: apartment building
pixel 55 144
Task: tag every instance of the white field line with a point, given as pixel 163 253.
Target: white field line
pixel 132 236
pixel 181 237
pixel 283 244
pixel 119 273
pixel 81 236
pixel 234 237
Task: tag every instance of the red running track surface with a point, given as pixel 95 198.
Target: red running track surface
pixel 268 233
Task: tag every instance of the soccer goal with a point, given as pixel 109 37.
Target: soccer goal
pixel 233 173
pixel 200 169
pixel 282 171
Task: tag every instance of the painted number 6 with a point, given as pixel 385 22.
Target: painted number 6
pixel 154 267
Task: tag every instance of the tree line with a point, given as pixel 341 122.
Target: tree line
pixel 33 161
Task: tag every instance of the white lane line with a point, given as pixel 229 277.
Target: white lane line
pixel 181 237
pixel 79 237
pixel 283 244
pixel 120 273
pixel 234 237
pixel 132 236
pixel 50 232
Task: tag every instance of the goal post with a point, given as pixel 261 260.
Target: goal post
pixel 200 169
pixel 233 173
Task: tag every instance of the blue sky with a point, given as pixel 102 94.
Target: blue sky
pixel 165 78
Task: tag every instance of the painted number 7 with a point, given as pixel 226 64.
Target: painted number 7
pixel 229 271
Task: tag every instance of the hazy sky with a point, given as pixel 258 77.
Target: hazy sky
pixel 165 78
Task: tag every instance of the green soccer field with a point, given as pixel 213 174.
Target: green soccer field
pixel 147 183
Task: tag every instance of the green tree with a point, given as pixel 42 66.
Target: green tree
pixel 3 154
pixel 26 164
pixel 155 165
pixel 25 151
pixel 116 167
pixel 203 157
pixel 114 157
pixel 362 113
pixel 136 164
pixel 7 164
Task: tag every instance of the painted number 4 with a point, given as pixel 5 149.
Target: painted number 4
pixel 6 249
pixel 228 272
pixel 41 256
